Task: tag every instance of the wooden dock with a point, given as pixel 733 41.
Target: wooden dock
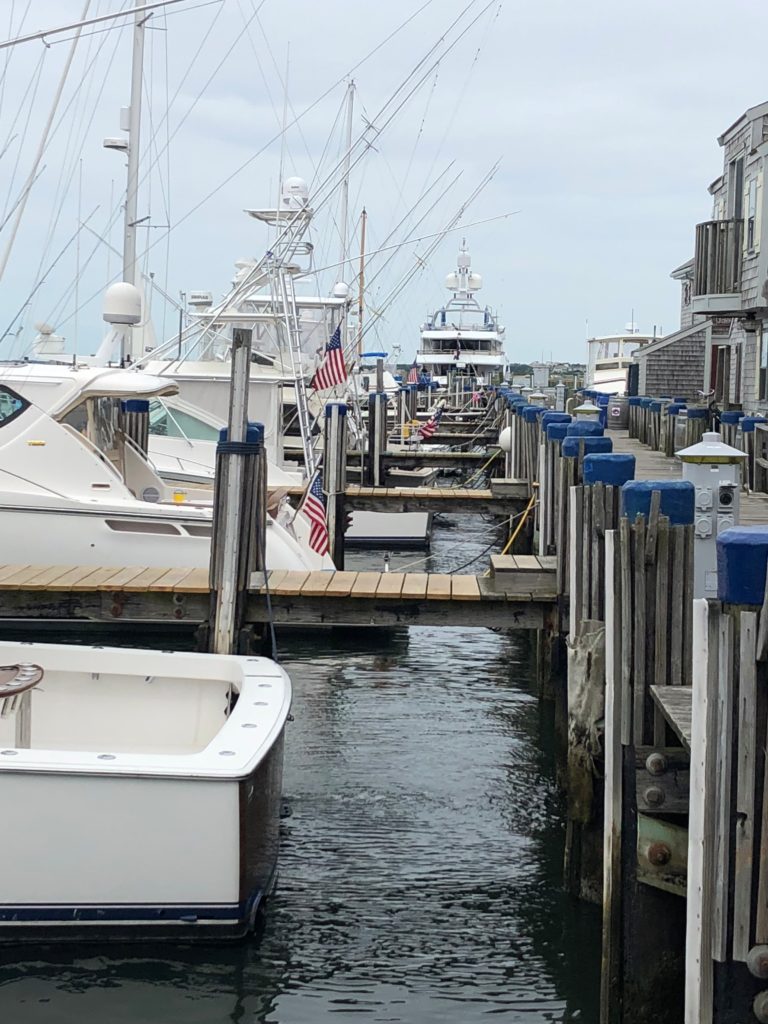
pixel 438 499
pixel 133 595
pixel 425 457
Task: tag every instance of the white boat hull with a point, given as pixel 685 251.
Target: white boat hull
pixel 135 827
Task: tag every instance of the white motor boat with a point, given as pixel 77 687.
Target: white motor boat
pixel 140 791
pixel 461 337
pixel 75 490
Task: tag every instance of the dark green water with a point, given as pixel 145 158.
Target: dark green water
pixel 420 867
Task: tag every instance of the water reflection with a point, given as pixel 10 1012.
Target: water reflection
pixel 420 864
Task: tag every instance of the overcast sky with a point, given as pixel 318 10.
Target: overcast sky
pixel 605 117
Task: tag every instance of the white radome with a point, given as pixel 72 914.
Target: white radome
pixel 122 304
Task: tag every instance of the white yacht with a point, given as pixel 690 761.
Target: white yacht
pixel 462 336
pixel 609 358
pixel 140 791
pixel 75 490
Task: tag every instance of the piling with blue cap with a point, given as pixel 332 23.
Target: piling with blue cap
pixel 677 499
pixel 697 413
pixel 554 417
pixel 572 446
pixel 742 557
pixel 607 468
pixel 731 416
pixel 748 423
pixel 585 428
pixel 556 431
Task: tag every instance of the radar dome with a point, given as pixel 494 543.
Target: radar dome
pixel 295 193
pixel 452 281
pixel 122 304
pixel 340 290
pixel 475 282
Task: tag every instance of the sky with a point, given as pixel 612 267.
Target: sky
pixel 604 117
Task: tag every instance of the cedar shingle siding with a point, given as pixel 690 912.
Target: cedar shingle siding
pixel 676 368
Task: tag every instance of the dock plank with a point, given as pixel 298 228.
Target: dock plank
pixel 93 579
pixel 77 574
pixel 316 583
pixel 365 584
pixel 465 588
pixel 415 585
pixel 528 563
pixel 120 577
pixel 36 578
pixel 170 580
pixel 291 584
pixel 197 582
pixel 439 587
pixel 390 584
pixel 143 581
pixel 340 584
pixel 21 577
pixel 9 571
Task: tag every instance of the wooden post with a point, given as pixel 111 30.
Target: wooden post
pixel 377 439
pixel 240 506
pixel 644 930
pixel 335 477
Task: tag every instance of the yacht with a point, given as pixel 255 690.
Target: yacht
pixel 75 489
pixel 140 791
pixel 463 337
pixel 609 358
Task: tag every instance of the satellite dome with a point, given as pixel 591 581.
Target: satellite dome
pixel 295 193
pixel 122 304
pixel 340 290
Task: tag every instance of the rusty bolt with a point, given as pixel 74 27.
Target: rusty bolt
pixel 656 763
pixel 760 1007
pixel 757 961
pixel 654 796
pixel 659 854
pixel 117 610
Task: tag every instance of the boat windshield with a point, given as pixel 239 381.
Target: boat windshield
pixel 165 421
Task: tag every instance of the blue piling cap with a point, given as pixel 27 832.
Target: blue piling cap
pixel 556 431
pixel 554 417
pixel 697 414
pixel 677 499
pixel 748 423
pixel 520 407
pixel 680 398
pixel 135 405
pixel 742 556
pixel 731 416
pixel 609 469
pixel 335 405
pixel 674 408
pixel 634 399
pixel 585 428
pixel 254 434
pixel 646 402
pixel 531 412
pixel 592 445
pixel 515 400
pixel 654 406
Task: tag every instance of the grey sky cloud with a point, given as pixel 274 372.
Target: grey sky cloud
pixel 605 115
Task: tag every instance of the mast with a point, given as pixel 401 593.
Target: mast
pixel 133 127
pixel 345 179
pixel 134 134
pixel 361 285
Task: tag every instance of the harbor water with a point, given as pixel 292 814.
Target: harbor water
pixel 421 854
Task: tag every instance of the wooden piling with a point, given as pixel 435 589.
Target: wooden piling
pixel 335 477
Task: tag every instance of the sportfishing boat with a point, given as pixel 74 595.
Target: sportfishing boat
pixel 77 489
pixel 140 791
pixel 462 337
pixel 609 358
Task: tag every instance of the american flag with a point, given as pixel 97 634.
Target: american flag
pixel 428 429
pixel 313 508
pixel 332 370
pixel 413 373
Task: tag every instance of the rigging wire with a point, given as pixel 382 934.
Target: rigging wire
pixel 34 84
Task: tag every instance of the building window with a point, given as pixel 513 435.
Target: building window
pixel 736 188
pixel 763 383
pixel 736 390
pixel 751 214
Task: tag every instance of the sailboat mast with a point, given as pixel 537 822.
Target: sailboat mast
pixel 361 286
pixel 130 273
pixel 345 179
